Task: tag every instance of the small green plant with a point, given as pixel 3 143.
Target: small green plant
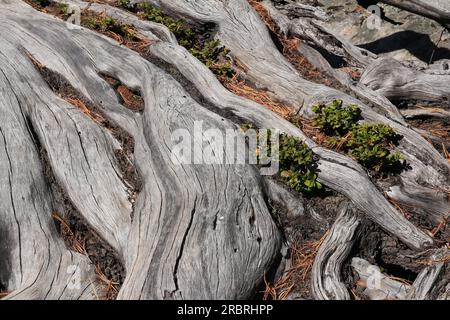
pixel 107 24
pixel 184 35
pixel 247 126
pixel 63 8
pixel 297 165
pixel 297 162
pixel 371 145
pixel 123 3
pixel 335 118
pixel 208 52
pixel 42 3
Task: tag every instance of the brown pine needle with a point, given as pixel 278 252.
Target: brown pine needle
pixel 241 89
pixel 302 261
pixel 442 225
pixel 72 243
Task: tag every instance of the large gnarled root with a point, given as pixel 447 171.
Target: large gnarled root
pixel 283 76
pixel 397 82
pixel 438 10
pixel 326 273
pixel 34 264
pixel 188 237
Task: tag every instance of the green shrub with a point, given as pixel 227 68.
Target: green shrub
pixel 184 35
pixel 208 52
pixel 335 118
pixel 63 8
pixel 107 24
pixel 123 3
pixel 297 162
pixel 371 145
pixel 42 3
pixel 297 165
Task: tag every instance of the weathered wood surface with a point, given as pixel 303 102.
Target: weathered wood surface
pixel 326 273
pixel 438 10
pixel 194 231
pixel 397 82
pixel 425 281
pixel 197 232
pixel 379 286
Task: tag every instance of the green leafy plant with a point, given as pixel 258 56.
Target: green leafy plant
pixel 123 3
pixel 297 162
pixel 42 3
pixel 297 165
pixel 63 8
pixel 247 126
pixel 371 145
pixel 208 52
pixel 335 118
pixel 107 24
pixel 184 35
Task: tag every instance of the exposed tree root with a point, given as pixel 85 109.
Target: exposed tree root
pixel 91 114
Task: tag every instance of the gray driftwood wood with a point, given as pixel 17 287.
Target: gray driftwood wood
pixel 193 231
pixel 327 283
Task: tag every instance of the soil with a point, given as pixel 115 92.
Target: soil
pixel 301 234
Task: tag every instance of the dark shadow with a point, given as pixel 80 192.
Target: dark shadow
pixel 276 40
pixel 334 60
pixel 418 44
pixel 5 258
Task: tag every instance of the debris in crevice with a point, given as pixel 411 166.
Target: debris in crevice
pixel 382 250
pixel 296 278
pixel 304 235
pixel 243 89
pixel 124 155
pixel 130 98
pixel 75 231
